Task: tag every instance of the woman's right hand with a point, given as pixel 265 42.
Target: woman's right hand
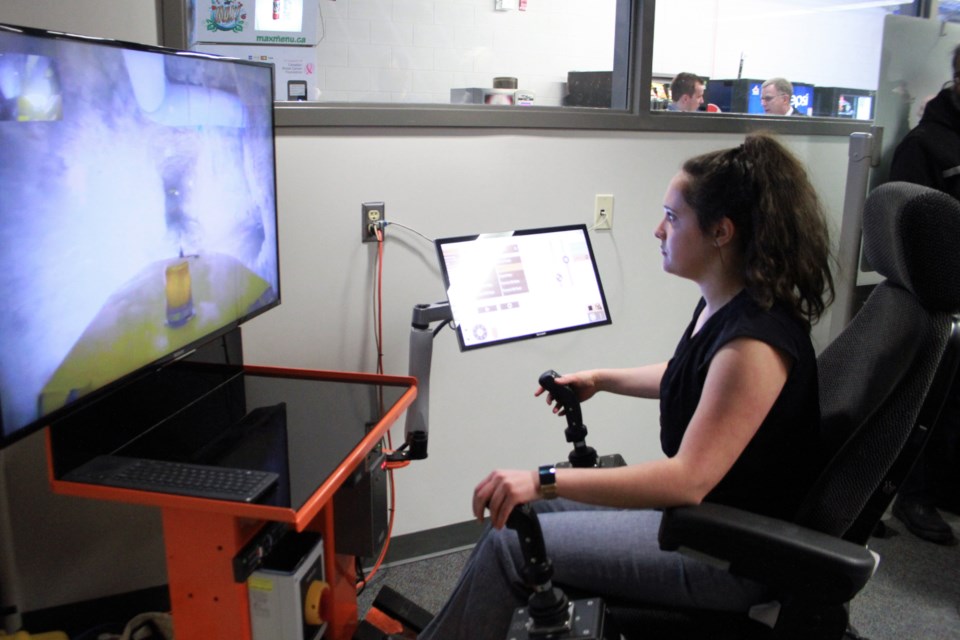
pixel 583 383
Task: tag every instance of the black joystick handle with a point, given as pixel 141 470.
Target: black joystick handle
pixel 576 431
pixel 548 605
pixel 537 568
pixel 565 396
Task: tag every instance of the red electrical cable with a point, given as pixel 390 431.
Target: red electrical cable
pixel 378 310
pixel 378 337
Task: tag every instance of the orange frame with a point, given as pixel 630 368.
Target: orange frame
pixel 202 536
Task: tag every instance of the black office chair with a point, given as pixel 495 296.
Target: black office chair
pixel 883 381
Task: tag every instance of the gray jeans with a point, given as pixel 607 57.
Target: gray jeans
pixel 596 550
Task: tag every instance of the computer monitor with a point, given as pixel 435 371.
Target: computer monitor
pixel 752 90
pixel 139 214
pixel 837 102
pixel 803 98
pixel 735 96
pixel 855 106
pixel 522 284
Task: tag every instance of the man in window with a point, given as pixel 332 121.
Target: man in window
pixel 686 92
pixel 775 96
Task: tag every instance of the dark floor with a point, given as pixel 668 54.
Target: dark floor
pixel 915 594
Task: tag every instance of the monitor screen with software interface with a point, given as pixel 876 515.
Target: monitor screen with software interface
pixel 522 284
pixel 139 213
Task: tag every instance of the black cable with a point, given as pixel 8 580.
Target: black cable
pixel 440 326
pixel 361 576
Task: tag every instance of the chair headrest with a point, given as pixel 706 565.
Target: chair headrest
pixel 911 236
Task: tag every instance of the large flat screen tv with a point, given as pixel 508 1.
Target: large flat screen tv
pixel 138 216
pixel 521 284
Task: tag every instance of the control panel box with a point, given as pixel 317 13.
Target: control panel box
pixel 286 590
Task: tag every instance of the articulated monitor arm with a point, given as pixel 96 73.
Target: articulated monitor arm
pixel 421 356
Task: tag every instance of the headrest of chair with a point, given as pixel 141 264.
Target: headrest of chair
pixel 911 236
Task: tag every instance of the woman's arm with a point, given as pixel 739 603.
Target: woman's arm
pixel 640 382
pixel 743 382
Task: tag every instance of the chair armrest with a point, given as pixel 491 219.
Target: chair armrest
pixel 787 557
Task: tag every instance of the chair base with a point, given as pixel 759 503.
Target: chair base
pixel 641 623
pixel 797 621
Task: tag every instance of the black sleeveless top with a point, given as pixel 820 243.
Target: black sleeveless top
pixel 779 464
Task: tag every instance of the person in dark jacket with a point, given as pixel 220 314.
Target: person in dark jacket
pixel 929 155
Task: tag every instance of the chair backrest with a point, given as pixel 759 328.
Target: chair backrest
pixel 876 375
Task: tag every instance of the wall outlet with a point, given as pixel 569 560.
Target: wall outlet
pixel 603 211
pixel 372 214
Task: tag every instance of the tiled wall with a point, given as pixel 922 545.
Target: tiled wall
pixel 417 50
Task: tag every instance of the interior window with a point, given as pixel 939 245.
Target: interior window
pixel 949 10
pixel 478 52
pixel 554 63
pixel 780 57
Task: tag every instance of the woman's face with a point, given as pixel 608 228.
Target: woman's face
pixel 687 251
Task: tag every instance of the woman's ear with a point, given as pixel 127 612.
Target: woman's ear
pixel 723 232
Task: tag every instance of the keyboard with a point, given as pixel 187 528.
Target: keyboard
pixel 203 481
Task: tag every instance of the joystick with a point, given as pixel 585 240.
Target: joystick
pixel 576 432
pixel 549 614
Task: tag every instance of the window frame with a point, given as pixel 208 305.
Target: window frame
pixel 637 117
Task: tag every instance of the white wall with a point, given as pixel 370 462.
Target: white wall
pixel 836 48
pixel 133 20
pixel 441 182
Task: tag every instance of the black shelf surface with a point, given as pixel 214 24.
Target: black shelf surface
pixel 301 428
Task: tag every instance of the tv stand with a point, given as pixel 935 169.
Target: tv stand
pixel 333 420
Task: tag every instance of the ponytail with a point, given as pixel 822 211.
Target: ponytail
pixel 764 190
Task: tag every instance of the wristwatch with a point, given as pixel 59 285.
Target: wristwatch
pixel 548 482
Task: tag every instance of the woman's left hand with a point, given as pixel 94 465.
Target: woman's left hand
pixel 501 491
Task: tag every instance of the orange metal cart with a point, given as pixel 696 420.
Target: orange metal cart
pixel 202 536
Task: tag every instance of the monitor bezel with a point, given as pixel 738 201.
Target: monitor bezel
pixel 184 351
pixel 439 243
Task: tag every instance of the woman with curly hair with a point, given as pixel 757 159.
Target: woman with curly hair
pixel 739 406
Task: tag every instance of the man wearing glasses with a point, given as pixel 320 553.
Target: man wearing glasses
pixel 775 96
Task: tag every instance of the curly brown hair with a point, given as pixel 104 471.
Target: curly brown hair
pixel 765 191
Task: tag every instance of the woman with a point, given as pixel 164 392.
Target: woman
pixel 739 408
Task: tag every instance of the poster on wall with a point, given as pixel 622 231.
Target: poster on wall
pixel 294 68
pixel 260 22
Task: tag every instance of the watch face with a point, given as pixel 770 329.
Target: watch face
pixel 548 481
